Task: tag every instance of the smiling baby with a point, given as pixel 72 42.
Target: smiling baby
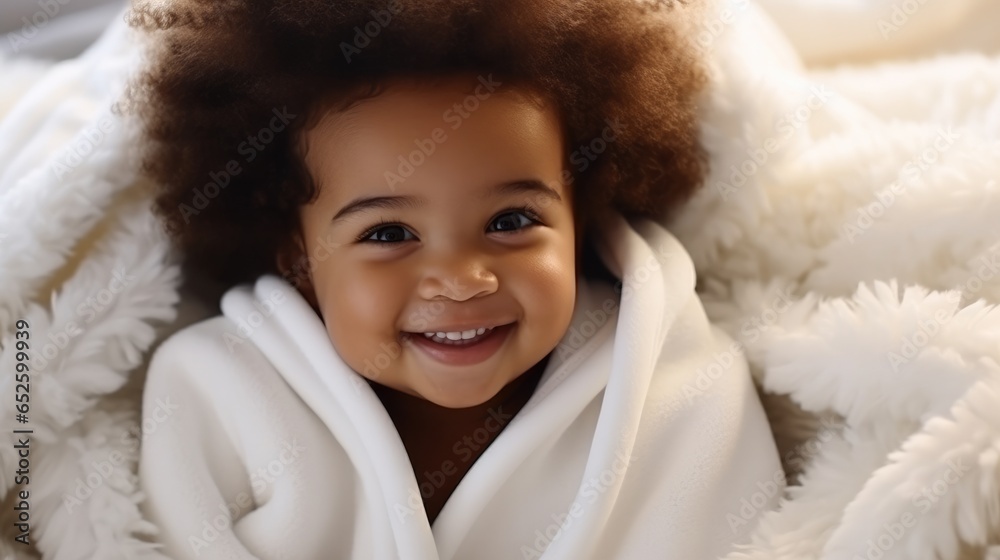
pixel 452 324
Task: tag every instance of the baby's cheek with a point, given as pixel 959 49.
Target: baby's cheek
pixel 552 273
pixel 363 320
pixel 548 293
pixel 353 346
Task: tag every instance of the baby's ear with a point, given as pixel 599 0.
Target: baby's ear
pixel 293 264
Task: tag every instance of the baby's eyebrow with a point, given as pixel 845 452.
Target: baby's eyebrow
pixel 363 203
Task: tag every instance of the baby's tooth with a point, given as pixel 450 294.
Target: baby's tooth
pixel 458 335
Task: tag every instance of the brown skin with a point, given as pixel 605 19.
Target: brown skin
pixel 463 256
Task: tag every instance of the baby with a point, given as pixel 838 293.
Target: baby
pixel 452 325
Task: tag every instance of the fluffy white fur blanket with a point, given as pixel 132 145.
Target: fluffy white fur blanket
pixel 848 238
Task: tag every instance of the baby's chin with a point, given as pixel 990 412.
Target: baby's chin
pixel 460 397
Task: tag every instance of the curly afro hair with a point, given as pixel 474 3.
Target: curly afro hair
pixel 221 71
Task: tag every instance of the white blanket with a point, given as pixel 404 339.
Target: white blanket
pixel 871 206
pixel 611 457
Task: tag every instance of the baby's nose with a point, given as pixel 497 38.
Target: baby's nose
pixel 458 283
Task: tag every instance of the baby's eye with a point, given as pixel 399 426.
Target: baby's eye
pixel 506 223
pixel 389 234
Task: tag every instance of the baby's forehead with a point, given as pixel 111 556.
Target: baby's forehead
pixel 462 92
pixel 423 125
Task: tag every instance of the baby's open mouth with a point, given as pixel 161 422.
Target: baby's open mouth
pixel 455 349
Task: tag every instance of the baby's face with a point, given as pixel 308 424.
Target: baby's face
pixel 446 170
